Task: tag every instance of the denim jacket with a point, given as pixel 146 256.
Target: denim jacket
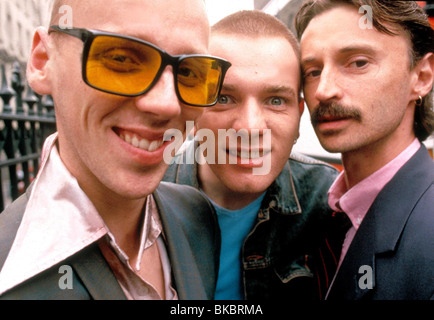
pixel 279 254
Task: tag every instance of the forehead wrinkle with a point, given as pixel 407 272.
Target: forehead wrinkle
pixel 357 48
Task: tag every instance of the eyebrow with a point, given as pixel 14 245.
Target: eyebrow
pixel 228 87
pixel 307 60
pixel 281 89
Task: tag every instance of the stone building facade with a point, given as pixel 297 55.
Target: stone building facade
pixel 18 20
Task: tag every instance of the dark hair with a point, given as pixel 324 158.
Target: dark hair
pixel 409 18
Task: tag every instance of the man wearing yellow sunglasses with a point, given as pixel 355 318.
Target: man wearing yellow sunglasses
pixel 94 225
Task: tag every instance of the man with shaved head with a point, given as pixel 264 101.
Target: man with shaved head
pixel 96 223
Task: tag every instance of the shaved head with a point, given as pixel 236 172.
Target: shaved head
pixel 55 5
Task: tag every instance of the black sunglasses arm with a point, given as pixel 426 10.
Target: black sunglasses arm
pixel 79 33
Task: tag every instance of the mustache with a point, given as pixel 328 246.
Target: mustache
pixel 334 110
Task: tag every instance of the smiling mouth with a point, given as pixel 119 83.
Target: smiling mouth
pixel 248 154
pixel 139 142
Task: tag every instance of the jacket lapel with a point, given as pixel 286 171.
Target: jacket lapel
pixel 382 227
pixel 89 264
pixel 96 275
pixel 360 257
pixel 186 274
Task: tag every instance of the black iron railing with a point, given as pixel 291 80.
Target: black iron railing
pixel 26 119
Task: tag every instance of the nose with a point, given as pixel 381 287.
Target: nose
pixel 161 99
pixel 250 116
pixel 328 87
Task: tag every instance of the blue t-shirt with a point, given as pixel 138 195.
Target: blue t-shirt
pixel 235 225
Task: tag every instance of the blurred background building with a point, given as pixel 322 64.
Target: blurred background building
pixel 18 20
pixel 23 116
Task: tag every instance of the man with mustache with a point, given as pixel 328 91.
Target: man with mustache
pixel 271 215
pixel 328 112
pixel 368 85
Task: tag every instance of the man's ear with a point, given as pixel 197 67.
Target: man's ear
pixel 424 76
pixel 37 66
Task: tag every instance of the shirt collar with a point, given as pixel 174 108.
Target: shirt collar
pixel 60 220
pixel 151 230
pixel 356 201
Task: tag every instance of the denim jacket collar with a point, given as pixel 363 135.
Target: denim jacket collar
pixel 284 196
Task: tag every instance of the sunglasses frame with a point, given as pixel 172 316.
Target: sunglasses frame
pixel 88 36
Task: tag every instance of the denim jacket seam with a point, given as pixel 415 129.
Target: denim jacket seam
pixel 302 272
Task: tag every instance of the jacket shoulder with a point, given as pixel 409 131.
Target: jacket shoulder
pixel 308 161
pixel 13 213
pixel 305 168
pixel 188 206
pixel 312 179
pixel 193 238
pixel 181 195
pixel 171 172
pixel 10 220
pixel 183 168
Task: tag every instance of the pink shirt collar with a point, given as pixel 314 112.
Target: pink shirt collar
pixel 357 201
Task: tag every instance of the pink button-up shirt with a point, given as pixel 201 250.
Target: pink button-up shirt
pixel 60 220
pixel 356 201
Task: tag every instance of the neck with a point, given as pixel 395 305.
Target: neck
pixel 361 163
pixel 121 214
pixel 122 217
pixel 216 190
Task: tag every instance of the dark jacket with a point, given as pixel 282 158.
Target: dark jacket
pixel 192 241
pixel 279 254
pixel 392 254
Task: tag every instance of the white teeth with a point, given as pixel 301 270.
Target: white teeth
pixel 245 154
pixel 255 155
pixel 142 143
pixel 153 146
pixel 135 142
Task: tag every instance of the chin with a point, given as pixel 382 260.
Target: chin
pixel 139 186
pixel 334 145
pixel 251 185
